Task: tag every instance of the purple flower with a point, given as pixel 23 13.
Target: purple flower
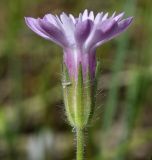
pixel 79 37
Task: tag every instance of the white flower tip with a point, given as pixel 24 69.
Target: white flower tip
pixel 85 15
pixel 113 15
pixel 119 16
pixel 105 16
pixel 72 18
pixel 85 11
pixel 91 15
pixel 131 19
pixel 28 20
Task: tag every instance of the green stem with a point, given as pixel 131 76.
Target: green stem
pixel 80 144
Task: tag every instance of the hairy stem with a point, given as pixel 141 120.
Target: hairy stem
pixel 80 144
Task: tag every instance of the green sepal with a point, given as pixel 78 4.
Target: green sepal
pixel 94 85
pixel 87 97
pixel 67 95
pixel 79 100
pixel 98 70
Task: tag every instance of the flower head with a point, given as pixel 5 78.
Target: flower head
pixel 79 36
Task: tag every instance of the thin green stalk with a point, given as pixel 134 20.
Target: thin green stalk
pixel 80 144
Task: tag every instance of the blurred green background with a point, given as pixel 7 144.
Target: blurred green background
pixel 33 125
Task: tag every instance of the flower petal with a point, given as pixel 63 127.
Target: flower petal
pixel 68 27
pixel 105 16
pixel 91 15
pixel 46 30
pixel 117 29
pixel 86 31
pixel 122 25
pixel 80 17
pixel 34 26
pixel 54 33
pixel 72 18
pixel 99 33
pixel 113 15
pixel 85 15
pixel 119 16
pixel 51 19
pixel 98 18
pixel 106 25
pixel 82 31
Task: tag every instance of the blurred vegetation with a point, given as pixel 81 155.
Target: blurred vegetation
pixel 32 121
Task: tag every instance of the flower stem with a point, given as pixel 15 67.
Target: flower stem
pixel 80 144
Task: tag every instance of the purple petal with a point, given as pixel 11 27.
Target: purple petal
pixel 115 31
pixel 34 26
pixel 67 22
pixel 122 25
pixel 51 19
pixel 106 25
pixel 99 33
pixel 68 28
pixel 119 16
pixel 72 59
pixel 46 30
pixel 55 33
pixel 83 30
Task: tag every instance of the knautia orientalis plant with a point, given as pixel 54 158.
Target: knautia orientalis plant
pixel 79 37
